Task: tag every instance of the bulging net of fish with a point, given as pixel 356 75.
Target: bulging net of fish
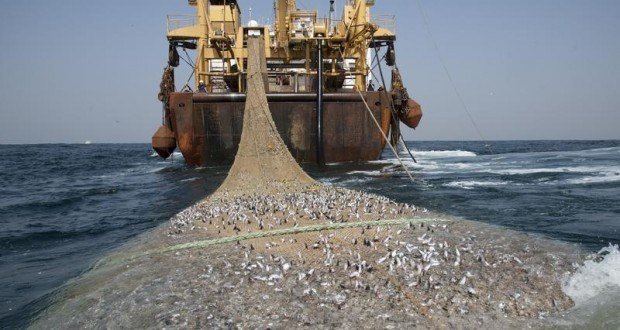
pixel 273 248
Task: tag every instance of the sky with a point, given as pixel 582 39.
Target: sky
pixel 76 70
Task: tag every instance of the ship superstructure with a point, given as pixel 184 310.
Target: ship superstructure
pixel 321 89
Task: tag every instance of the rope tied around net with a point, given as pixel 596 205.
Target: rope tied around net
pixel 274 233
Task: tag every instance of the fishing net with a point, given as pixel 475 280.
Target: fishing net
pixel 272 248
pixel 263 163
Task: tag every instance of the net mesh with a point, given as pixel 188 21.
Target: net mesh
pixel 348 275
pixel 263 163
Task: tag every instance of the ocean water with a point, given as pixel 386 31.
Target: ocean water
pixel 64 206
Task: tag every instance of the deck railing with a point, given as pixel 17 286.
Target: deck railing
pixel 180 21
pixel 385 21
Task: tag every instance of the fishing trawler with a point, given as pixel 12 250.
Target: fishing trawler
pixel 325 83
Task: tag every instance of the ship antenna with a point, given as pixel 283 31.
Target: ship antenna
pixel 250 13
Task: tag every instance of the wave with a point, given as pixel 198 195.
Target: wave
pixel 595 277
pixel 594 179
pixel 410 164
pixel 41 237
pixel 473 184
pixel 51 201
pixel 394 166
pixel 176 154
pixel 607 150
pixel 615 170
pixel 368 173
pixel 558 153
pixel 443 153
pixel 349 182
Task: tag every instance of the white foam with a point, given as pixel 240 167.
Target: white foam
pixel 473 184
pixel 383 161
pixel 353 181
pixel 368 173
pixel 176 154
pixel 595 179
pixel 443 154
pixel 471 167
pixel 523 171
pixel 154 169
pixel 574 169
pixel 608 150
pixel 595 278
pixel 410 164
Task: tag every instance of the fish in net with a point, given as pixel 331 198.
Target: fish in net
pixel 273 248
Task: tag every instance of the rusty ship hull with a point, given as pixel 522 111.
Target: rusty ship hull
pixel 207 127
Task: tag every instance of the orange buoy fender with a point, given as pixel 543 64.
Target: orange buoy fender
pixel 412 116
pixel 164 142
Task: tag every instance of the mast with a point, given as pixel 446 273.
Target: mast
pixel 320 156
pixel 358 33
pixel 283 10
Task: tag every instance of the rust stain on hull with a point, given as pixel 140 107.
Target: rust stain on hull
pixel 208 127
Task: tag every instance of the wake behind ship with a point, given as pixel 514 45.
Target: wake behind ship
pixel 326 84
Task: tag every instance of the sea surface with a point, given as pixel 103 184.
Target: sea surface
pixel 64 206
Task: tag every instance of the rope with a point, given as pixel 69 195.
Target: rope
pixel 386 139
pixel 190 78
pixel 291 231
pixel 272 233
pixel 188 60
pixel 445 68
pixel 400 135
pixel 380 130
pixel 377 64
